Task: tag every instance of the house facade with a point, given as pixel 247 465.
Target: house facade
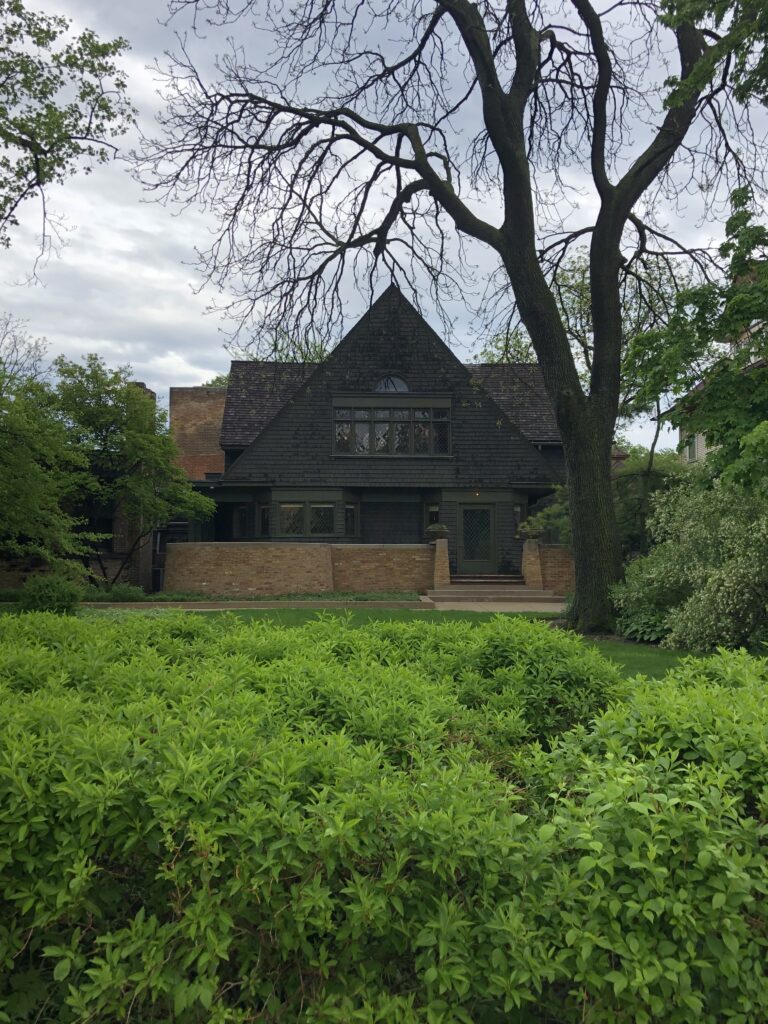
pixel 389 435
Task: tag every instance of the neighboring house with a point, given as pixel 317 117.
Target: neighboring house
pixel 390 434
pixel 693 448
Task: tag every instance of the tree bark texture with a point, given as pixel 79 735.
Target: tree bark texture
pixel 593 526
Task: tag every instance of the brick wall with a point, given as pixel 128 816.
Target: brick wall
pixel 360 568
pixel 548 567
pixel 259 568
pixel 196 415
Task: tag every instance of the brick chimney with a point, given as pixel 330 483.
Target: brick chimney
pixel 195 416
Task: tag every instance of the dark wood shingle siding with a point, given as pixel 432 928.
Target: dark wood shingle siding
pixel 295 447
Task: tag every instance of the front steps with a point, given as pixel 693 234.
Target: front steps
pixel 498 580
pixel 491 594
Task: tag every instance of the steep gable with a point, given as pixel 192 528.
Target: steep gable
pixel 518 389
pixel 295 446
pixel 256 391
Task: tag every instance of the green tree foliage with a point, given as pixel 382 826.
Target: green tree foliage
pixel 635 479
pixel 78 449
pixel 131 458
pixel 62 98
pixel 21 355
pixel 513 346
pixel 704 583
pixel 38 466
pixel 207 820
pixel 712 356
pixel 39 478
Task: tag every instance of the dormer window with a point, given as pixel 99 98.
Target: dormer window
pixel 390 384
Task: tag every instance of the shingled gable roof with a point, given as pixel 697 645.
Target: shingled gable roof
pixel 258 390
pixel 390 336
pixel 518 389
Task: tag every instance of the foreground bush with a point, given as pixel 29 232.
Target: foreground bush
pixel 705 582
pixel 49 592
pixel 202 820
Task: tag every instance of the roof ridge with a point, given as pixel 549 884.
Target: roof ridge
pixel 501 365
pixel 272 362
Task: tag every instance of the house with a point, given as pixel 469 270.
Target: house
pixel 389 435
pixel 748 405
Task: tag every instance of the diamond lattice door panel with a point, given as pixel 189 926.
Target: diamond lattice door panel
pixel 477 547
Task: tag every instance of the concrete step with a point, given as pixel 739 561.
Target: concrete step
pixel 491 581
pixel 519 595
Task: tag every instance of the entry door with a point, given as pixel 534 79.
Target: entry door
pixel 477 543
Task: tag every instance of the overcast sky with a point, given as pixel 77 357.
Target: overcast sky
pixel 124 283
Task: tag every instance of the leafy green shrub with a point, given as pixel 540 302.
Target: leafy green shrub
pixel 705 582
pixel 209 820
pixel 117 592
pixel 633 488
pixel 49 592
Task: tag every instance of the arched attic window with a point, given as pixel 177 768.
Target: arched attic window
pixel 391 383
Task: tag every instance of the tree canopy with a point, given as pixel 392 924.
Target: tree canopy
pixel 39 468
pixel 76 450
pixel 131 458
pixel 709 363
pixel 403 139
pixel 62 101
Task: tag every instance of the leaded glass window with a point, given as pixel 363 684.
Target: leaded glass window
pixel 399 430
pixel 392 384
pixel 321 518
pixel 343 435
pixel 292 520
pixel 402 439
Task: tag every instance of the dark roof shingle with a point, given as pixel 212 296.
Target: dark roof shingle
pixel 518 389
pixel 256 392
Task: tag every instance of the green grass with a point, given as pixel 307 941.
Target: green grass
pixel 631 658
pixel 639 658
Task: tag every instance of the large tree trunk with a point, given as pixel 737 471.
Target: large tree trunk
pixel 593 525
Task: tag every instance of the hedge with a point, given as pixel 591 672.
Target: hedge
pixel 206 820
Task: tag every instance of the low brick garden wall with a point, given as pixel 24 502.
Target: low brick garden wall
pixel 262 568
pixel 548 567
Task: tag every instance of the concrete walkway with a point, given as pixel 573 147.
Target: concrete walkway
pixel 424 605
pixel 555 605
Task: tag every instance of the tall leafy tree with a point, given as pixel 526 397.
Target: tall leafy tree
pixel 385 135
pixel 709 363
pixel 62 102
pixel 39 468
pixel 131 458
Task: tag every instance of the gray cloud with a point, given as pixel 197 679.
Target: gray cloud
pixel 121 286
